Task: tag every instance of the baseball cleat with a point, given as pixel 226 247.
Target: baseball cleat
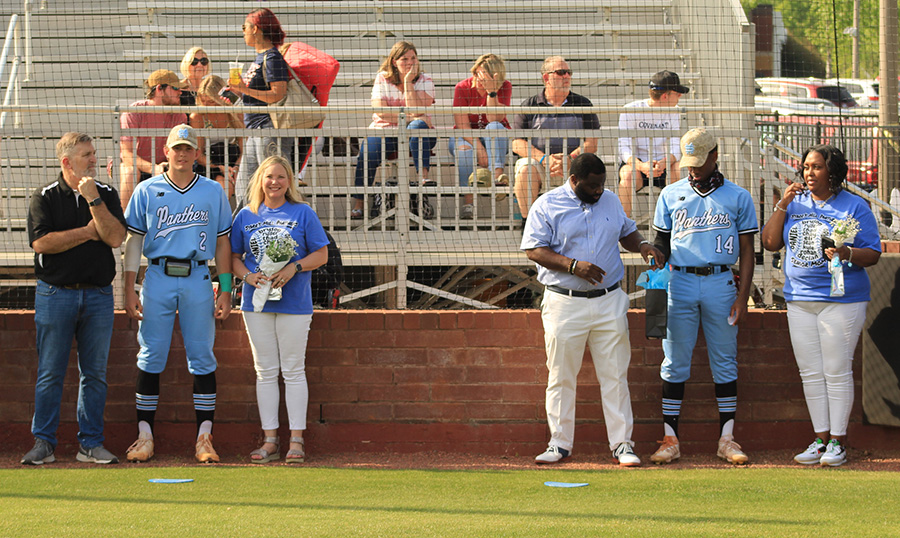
pixel 142 449
pixel 668 451
pixel 205 452
pixel 731 451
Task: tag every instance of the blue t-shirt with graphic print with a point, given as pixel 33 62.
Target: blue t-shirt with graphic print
pixel 805 265
pixel 251 234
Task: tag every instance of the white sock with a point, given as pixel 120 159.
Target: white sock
pixel 728 429
pixel 669 431
pixel 205 427
pixel 144 427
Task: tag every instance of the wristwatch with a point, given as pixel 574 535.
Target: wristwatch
pixel 298 267
pixel 492 94
pixel 95 202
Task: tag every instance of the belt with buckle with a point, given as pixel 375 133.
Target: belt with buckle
pixel 703 271
pixel 584 294
pixel 79 286
pixel 161 261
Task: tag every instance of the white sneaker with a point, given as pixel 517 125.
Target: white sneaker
pixel 625 455
pixel 553 454
pixel 812 454
pixel 834 455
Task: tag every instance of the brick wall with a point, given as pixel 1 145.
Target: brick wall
pixel 415 381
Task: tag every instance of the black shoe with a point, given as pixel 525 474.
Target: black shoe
pixel 376 206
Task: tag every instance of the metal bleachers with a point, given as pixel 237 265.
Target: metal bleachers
pixel 99 54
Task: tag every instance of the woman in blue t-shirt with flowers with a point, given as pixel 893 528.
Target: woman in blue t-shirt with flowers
pixel 830 236
pixel 277 321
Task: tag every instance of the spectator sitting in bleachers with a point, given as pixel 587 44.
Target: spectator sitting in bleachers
pixel 554 155
pixel 208 95
pixel 657 157
pixel 486 87
pixel 143 157
pixel 400 83
pixel 194 66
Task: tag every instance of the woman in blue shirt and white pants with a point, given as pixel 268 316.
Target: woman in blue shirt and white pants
pixel 824 328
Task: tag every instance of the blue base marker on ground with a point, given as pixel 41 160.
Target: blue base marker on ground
pixel 566 484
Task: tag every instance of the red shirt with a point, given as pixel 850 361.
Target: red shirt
pixel 149 120
pixel 466 94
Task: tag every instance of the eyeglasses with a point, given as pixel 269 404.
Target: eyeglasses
pixel 562 72
pixel 201 61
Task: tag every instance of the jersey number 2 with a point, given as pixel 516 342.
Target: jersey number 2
pixel 729 244
pixel 203 241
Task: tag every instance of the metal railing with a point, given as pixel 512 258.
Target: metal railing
pixel 401 242
pixel 12 86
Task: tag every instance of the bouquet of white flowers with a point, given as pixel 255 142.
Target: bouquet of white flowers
pixel 278 253
pixel 842 231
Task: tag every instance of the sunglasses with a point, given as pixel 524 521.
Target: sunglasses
pixel 562 72
pixel 201 61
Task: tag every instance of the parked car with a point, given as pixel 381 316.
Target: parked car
pixel 806 88
pixel 857 136
pixel 787 106
pixel 864 91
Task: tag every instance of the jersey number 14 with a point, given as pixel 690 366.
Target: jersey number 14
pixel 728 246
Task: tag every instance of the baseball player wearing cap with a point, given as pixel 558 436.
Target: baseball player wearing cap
pixel 143 157
pixel 180 220
pixel 705 224
pixel 652 156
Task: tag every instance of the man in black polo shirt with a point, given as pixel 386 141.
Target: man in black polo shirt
pixel 73 225
pixel 541 157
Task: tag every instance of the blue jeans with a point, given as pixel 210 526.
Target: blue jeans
pixel 371 155
pixel 256 150
pixel 59 315
pixel 497 150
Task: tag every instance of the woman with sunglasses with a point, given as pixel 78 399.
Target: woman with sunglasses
pixel 263 83
pixel 194 66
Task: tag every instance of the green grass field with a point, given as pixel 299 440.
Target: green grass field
pixel 300 502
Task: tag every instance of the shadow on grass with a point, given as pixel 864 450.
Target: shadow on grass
pixel 667 518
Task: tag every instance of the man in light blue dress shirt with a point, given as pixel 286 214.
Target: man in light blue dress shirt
pixel 572 234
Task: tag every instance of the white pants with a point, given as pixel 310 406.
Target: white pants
pixel 278 342
pixel 824 336
pixel 601 323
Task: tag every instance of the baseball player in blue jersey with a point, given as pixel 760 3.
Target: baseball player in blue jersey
pixel 705 224
pixel 180 220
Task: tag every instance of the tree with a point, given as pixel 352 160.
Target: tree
pixel 812 21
